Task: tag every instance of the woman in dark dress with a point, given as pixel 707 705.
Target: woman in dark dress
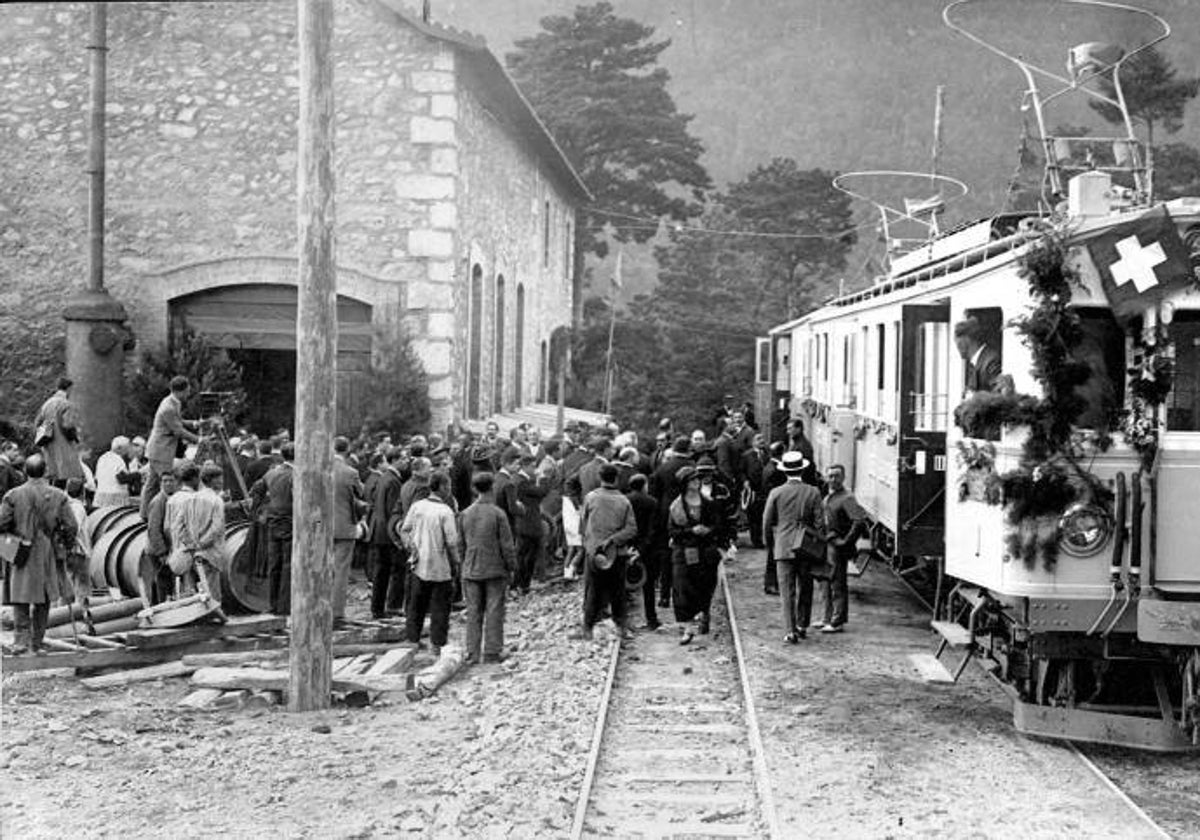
pixel 699 531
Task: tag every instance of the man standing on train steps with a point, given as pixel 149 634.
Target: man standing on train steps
pixel 845 521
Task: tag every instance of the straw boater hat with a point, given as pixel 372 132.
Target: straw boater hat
pixel 792 463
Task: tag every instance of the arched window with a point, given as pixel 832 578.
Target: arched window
pixel 498 359
pixel 475 340
pixel 519 349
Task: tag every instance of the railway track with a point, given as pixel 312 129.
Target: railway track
pixel 676 750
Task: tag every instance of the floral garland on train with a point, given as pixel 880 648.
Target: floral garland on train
pixel 1048 477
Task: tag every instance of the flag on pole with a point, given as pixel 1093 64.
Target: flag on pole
pixel 1140 262
pixel 616 278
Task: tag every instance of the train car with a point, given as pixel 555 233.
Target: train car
pixel 1017 404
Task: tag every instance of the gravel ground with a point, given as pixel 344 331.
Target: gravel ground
pixel 859 746
pixel 498 752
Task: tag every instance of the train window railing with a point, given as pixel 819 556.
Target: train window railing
pixel 930 412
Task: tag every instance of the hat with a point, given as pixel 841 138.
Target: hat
pixel 685 474
pixel 793 462
pixel 706 464
pixel 682 445
pixel 664 423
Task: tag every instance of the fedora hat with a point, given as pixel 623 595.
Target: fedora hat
pixel 793 462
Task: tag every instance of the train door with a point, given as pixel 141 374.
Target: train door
pixel 924 387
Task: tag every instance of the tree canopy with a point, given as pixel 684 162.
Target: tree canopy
pixel 1153 93
pixel 592 79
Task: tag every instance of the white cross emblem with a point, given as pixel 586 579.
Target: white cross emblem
pixel 1137 263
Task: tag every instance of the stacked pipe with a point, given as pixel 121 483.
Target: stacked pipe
pixel 118 562
pixel 102 620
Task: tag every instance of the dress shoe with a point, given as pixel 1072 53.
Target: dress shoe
pixel 494 658
pixel 792 638
pixel 801 633
pixel 770 590
pixel 652 625
pixel 686 637
pixel 832 628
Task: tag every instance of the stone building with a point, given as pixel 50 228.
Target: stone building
pixel 455 208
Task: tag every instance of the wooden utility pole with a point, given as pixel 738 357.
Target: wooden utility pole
pixel 310 659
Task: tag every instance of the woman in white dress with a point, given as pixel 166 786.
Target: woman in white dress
pixel 112 475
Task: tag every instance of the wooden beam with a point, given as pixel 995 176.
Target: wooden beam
pixel 388 653
pixel 154 672
pixel 277 679
pixel 174 636
pixel 309 685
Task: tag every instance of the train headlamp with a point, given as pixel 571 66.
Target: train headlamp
pixel 1084 529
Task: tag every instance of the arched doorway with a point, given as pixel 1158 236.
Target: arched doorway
pixel 256 324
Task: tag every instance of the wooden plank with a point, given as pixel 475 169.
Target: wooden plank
pixel 276 679
pixel 394 661
pixel 97 643
pixel 930 668
pixel 280 655
pixel 131 657
pixel 154 672
pixel 167 637
pixel 356 665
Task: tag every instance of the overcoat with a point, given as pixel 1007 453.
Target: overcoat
pixel 34 511
pixel 62 452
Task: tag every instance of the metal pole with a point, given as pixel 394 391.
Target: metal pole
pixel 99 70
pixel 310 659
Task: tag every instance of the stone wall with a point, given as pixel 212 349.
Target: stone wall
pixel 202 109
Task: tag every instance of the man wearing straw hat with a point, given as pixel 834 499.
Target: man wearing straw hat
pixel 789 507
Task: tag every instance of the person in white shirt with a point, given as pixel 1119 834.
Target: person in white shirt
pixel 112 475
pixel 430 533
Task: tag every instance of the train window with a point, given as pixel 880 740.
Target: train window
pixel 1103 348
pixel 1183 404
pixel 980 333
pixel 762 367
pixel 932 397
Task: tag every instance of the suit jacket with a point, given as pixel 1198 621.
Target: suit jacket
pixel 275 489
pixel 589 474
pixel 530 493
pixel 788 507
pixel 167 432
pixel 982 375
pixel 387 494
pixel 753 462
pixel 62 452
pixel 488 549
pixel 348 500
pixel 34 511
pixel 257 468
pixel 505 492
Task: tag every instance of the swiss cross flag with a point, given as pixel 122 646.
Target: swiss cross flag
pixel 1140 261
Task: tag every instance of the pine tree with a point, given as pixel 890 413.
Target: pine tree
pixel 1153 94
pixel 592 79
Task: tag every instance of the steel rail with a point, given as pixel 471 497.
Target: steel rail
pixel 762 777
pixel 589 776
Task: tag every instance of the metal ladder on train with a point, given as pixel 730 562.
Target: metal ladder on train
pixel 954 634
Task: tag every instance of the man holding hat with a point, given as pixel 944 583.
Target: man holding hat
pixel 608 525
pixel 789 507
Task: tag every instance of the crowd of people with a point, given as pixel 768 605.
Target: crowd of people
pixel 440 523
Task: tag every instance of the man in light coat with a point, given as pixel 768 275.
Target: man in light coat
pixel 40 515
pixel 60 419
pixel 790 506
pixel 609 528
pixel 169 430
pixel 430 533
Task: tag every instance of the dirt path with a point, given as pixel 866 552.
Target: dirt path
pixel 859 746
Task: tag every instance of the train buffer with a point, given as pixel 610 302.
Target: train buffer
pixel 954 635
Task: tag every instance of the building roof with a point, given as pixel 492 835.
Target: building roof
pixel 500 87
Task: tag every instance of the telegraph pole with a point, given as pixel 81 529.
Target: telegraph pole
pixel 310 661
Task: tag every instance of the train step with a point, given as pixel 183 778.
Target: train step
pixel 953 634
pixel 931 668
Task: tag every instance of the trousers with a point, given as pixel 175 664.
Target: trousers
pixel 279 575
pixel 387 579
pixel 430 597
pixel 343 556
pixel 30 623
pixel 651 560
pixel 795 594
pixel 485 615
pixel 835 593
pixel 529 552
pixel 604 588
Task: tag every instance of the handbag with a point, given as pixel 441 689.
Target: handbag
pixel 22 554
pixel 44 434
pixel 810 546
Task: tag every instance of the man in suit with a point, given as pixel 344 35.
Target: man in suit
pixel 983 361
pixel 168 432
pixel 39 514
pixel 754 460
pixel 531 538
pixel 275 488
pixel 787 509
pixel 348 505
pixel 387 580
pixel 60 418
